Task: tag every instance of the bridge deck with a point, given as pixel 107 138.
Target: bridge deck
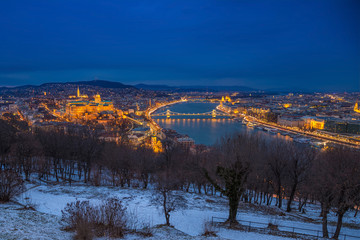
pixel 169 113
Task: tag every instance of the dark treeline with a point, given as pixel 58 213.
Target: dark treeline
pixel 242 168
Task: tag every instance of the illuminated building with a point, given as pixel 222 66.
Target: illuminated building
pixel 89 109
pixel 317 123
pixel 259 111
pixel 226 99
pixel 313 123
pixel 156 144
pixel 287 105
pixel 356 107
pixel 79 95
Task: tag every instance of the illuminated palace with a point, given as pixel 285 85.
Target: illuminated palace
pixel 356 107
pixel 88 109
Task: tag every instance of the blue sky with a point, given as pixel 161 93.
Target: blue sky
pixel 262 44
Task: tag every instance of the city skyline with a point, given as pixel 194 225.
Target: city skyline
pixel 298 45
pixel 220 119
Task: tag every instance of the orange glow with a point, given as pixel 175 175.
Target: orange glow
pixel 356 107
pixel 287 105
pixel 317 124
pixel 89 109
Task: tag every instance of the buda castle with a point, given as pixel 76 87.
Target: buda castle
pixel 83 108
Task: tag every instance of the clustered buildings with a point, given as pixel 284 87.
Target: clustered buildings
pixel 57 106
pixel 334 113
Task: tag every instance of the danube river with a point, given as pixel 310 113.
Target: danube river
pixel 203 129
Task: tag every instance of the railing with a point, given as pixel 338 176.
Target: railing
pixel 251 226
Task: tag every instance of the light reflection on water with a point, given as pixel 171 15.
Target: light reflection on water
pixel 205 130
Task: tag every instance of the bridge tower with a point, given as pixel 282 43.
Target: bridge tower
pixel 213 113
pixel 168 113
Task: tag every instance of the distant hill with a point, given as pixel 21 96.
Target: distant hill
pixel 228 88
pixel 195 88
pixel 288 90
pixel 96 83
pixel 155 87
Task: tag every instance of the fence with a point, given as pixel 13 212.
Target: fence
pixel 251 226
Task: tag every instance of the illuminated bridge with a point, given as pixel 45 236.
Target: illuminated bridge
pixel 214 113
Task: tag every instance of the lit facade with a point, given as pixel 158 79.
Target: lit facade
pixel 314 123
pixel 356 107
pixel 89 109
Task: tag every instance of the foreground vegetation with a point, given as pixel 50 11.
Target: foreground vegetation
pixel 242 167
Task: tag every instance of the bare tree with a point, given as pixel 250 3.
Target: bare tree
pixel 233 161
pixel 336 183
pixel 347 182
pixel 89 151
pixel 165 194
pixel 11 184
pixel 300 160
pixel 7 136
pixel 54 145
pixel 26 149
pixel 322 184
pixel 144 161
pixel 278 161
pixel 167 179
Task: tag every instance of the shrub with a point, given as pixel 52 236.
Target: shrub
pixel 107 219
pixel 76 213
pixel 83 231
pixel 11 185
pixel 111 216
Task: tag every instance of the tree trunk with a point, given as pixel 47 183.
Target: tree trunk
pixel 302 203
pixel 324 213
pixel 167 215
pixel 56 170
pixel 85 175
pixel 338 225
pixel 279 195
pixel 292 194
pixel 233 206
pixel 89 174
pixel 145 179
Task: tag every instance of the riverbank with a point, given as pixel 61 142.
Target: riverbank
pixel 155 128
pixel 323 137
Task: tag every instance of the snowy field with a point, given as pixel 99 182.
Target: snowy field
pixel 49 200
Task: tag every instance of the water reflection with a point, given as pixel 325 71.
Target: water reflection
pixel 205 130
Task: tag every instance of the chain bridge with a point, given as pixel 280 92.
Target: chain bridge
pixel 214 113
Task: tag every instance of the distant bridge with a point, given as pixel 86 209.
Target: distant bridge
pixel 214 113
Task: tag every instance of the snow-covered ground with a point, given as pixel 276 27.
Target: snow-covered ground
pixel 17 223
pixel 50 200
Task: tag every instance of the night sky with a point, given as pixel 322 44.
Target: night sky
pixel 312 44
